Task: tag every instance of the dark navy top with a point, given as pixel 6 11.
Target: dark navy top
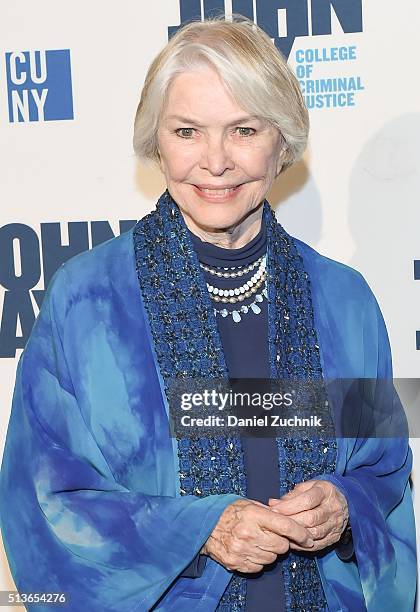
pixel 245 347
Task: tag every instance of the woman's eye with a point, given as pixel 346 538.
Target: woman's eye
pixel 246 131
pixel 185 132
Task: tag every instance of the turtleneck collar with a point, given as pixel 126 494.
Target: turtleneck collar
pixel 213 255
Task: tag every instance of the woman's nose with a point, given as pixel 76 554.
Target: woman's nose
pixel 216 157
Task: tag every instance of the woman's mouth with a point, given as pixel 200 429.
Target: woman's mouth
pixel 216 194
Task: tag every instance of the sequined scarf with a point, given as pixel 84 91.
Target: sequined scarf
pixel 188 345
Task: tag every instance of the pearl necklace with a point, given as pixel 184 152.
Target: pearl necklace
pixel 240 270
pixel 239 294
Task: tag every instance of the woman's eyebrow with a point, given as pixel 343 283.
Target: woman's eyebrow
pixel 189 121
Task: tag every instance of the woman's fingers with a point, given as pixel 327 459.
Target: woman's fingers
pixel 300 501
pixel 330 538
pixel 287 527
pixel 249 535
pixel 297 490
pixel 262 556
pixel 246 567
pixel 325 521
pixel 312 518
pixel 272 542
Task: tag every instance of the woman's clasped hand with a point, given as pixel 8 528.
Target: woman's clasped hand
pixel 320 507
pixel 250 534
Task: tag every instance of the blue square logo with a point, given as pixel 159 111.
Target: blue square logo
pixel 39 85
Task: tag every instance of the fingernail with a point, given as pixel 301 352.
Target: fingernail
pixel 310 542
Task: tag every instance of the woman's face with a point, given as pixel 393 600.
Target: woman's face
pixel 219 162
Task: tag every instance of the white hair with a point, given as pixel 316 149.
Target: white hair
pixel 253 70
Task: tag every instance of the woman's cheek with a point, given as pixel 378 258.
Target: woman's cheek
pixel 257 164
pixel 184 163
pixel 179 168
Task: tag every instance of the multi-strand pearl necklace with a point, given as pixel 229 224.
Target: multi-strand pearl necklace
pixel 228 272
pixel 239 294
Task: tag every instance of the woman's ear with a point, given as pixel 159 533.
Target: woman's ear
pixel 283 154
pixel 282 158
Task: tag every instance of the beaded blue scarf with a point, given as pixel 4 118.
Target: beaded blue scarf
pixel 188 345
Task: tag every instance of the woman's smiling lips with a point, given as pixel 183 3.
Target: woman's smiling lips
pixel 221 193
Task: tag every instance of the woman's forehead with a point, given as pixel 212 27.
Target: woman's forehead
pixel 242 118
pixel 201 95
pixel 199 85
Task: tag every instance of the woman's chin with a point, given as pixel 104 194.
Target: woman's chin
pixel 219 224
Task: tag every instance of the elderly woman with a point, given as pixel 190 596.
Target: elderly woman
pixel 97 500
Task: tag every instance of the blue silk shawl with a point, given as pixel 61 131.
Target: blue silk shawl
pixel 90 496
